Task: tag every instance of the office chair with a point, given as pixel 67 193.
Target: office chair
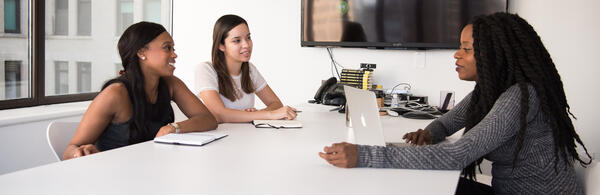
pixel 589 177
pixel 58 135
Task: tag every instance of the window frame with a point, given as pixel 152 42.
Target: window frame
pixel 37 59
pixel 37 89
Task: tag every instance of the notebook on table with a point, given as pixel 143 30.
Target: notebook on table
pixel 277 124
pixel 194 139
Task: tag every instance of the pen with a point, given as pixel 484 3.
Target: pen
pixel 297 111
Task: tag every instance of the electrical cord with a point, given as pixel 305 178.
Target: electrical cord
pixel 334 64
pixel 421 107
pixel 407 84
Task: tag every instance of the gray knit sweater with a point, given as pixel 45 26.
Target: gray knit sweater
pixel 494 138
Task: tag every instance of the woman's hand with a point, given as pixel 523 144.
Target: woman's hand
pixel 250 110
pixel 419 137
pixel 164 130
pixel 285 112
pixel 83 150
pixel 343 155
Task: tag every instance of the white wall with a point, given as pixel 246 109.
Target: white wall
pixel 569 30
pixel 292 71
pixel 23 134
pixel 28 147
pixel 23 141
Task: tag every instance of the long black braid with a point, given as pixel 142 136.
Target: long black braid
pixel 508 51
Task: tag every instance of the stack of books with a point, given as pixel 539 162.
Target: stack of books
pixel 361 79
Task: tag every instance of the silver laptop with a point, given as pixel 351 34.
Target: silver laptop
pixel 364 115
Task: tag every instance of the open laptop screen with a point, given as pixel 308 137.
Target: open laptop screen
pixel 364 114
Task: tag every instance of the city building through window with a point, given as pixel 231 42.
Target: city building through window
pixel 84 77
pixel 12 21
pixel 79 52
pixel 61 85
pixel 12 79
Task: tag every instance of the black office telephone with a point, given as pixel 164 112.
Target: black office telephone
pixel 324 87
pixel 330 93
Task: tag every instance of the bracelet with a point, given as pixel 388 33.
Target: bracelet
pixel 176 126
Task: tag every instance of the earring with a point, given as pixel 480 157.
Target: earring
pixel 143 57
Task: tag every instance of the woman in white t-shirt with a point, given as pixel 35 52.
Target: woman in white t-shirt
pixel 227 84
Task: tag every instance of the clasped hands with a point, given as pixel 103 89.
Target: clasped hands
pixel 84 150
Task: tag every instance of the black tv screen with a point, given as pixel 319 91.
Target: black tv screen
pixel 419 24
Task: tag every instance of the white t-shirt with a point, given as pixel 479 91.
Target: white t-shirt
pixel 206 79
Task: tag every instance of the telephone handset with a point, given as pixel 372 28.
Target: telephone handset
pixel 330 93
pixel 334 95
pixel 323 89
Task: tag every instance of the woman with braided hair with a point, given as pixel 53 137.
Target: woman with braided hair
pixel 517 116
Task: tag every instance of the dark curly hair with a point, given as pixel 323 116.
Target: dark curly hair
pixel 508 51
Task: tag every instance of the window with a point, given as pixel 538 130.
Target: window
pixel 84 17
pixel 14 51
pixel 12 79
pixel 84 77
pixel 81 56
pixel 53 63
pixel 61 77
pixel 61 17
pixel 12 18
pixel 124 15
pixel 152 11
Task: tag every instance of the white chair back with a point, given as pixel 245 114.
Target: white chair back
pixel 59 135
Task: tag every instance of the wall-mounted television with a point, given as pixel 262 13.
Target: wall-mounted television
pixel 408 24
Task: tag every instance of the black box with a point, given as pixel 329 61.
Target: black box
pixel 368 66
pixel 418 99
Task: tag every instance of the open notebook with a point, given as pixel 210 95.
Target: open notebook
pixel 195 139
pixel 277 124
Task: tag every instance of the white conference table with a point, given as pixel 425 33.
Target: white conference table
pixel 249 161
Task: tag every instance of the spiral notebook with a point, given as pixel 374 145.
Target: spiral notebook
pixel 194 139
pixel 277 124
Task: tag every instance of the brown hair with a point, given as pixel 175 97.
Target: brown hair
pixel 220 32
